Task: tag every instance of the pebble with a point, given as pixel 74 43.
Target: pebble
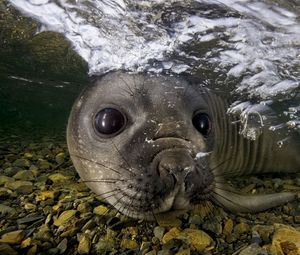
pixel 286 240
pixel 159 232
pixel 253 249
pixel 63 245
pixel 43 164
pixel 183 252
pixel 25 175
pixel 264 231
pixel 228 227
pixel 128 244
pixel 171 234
pixel 14 237
pixel 22 162
pixel 58 178
pixel 30 207
pixel 64 217
pixel 48 194
pixel 4 179
pixel 11 171
pixel 101 210
pixel 60 158
pixel 199 239
pixel 32 250
pixel 21 187
pixel 84 244
pixel 7 210
pixel 241 228
pixel 27 242
pixel 6 249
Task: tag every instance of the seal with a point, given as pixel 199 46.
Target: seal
pixel 150 143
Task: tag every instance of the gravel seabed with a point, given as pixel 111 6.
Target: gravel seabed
pixel 45 209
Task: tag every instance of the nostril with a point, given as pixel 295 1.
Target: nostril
pixel 163 169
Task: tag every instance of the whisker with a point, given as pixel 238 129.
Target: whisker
pixel 125 160
pixel 111 180
pixel 95 162
pixel 220 164
pixel 106 192
pixel 229 190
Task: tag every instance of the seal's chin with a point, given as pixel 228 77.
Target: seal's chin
pixel 176 200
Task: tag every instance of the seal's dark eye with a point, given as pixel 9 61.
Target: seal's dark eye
pixel 109 121
pixel 202 123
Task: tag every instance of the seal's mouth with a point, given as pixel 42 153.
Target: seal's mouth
pixel 187 175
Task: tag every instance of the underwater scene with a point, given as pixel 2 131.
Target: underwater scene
pixel 150 127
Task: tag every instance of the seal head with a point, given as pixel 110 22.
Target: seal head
pixel 149 144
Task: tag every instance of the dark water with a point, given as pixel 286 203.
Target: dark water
pixel 30 108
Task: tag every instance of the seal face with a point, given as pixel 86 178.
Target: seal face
pixel 151 143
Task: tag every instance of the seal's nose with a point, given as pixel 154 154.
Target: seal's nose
pixel 176 165
pixel 170 129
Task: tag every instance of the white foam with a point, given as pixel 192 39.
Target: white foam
pixel 262 45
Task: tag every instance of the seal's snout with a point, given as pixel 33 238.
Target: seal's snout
pixel 173 164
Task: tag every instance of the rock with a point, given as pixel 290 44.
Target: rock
pixel 84 207
pixel 128 244
pixel 5 249
pixel 43 234
pixel 7 210
pixel 164 252
pixel 32 250
pixel 253 249
pixel 171 234
pixel 84 244
pixel 28 155
pixel 60 158
pixel 199 239
pixel 21 187
pixel 168 219
pixel 22 162
pixel 264 231
pixel 89 225
pixel 105 245
pixel 24 175
pixel 30 207
pixel 14 237
pixel 58 178
pixel 43 195
pixel 43 164
pixel 241 228
pixel 11 171
pixel 63 245
pixel 25 243
pixel 195 219
pixel 153 252
pixel 228 227
pixel 64 217
pixel 5 193
pixel 101 210
pixel 183 252
pixel 30 219
pixel 145 247
pixel 4 179
pixel 256 238
pixel 286 240
pixel 159 232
